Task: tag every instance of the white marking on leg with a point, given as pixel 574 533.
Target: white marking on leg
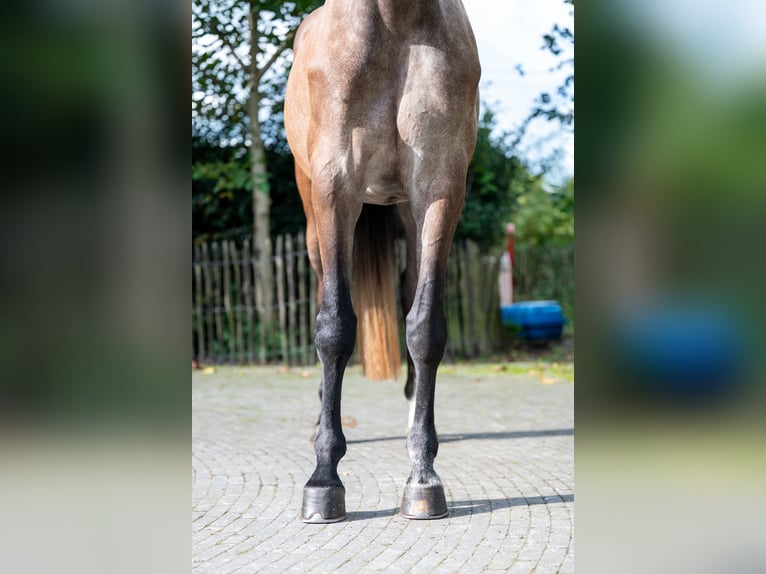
pixel 411 418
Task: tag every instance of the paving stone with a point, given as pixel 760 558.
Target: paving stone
pixel 506 458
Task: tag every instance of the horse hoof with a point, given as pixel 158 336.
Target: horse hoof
pixel 323 504
pixel 423 502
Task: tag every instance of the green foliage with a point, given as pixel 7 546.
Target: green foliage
pixel 501 188
pixel 239 52
pixel 544 217
pixel 490 190
pixel 222 66
pixel 222 202
pixel 558 106
pixel 221 198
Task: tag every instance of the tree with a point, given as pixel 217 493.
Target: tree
pixel 559 106
pixel 544 217
pixel 238 69
pixel 489 190
pixel 221 196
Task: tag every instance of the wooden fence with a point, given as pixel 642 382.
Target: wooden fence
pixel 231 324
pixel 545 272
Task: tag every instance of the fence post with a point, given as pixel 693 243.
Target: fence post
pixel 209 303
pixel 473 293
pixel 465 303
pixel 263 327
pixel 248 292
pixel 490 309
pixel 226 287
pixel 454 334
pixel 292 298
pixel 238 301
pixel 201 348
pixel 279 262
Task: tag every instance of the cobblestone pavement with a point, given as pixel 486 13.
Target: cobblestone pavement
pixel 506 458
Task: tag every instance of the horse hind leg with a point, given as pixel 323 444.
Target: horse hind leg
pixel 426 339
pixel 408 284
pixel 312 240
pixel 324 493
pixel 312 249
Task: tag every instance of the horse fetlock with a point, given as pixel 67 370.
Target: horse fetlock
pixel 422 455
pixel 424 476
pixel 324 476
pixel 329 447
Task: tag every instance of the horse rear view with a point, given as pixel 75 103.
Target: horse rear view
pixel 381 110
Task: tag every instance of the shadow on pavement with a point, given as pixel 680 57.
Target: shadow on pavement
pixel 458 508
pixel 478 436
pixel 370 514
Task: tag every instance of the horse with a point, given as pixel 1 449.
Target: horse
pixel 381 113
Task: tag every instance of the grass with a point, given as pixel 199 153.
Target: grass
pixel 547 372
pixel 554 360
pixel 550 362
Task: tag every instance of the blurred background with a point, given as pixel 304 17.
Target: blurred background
pixel 671 283
pixel 94 396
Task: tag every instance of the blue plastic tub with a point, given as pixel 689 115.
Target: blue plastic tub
pixel 682 350
pixel 536 320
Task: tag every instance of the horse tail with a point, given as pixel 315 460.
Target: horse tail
pixel 374 285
